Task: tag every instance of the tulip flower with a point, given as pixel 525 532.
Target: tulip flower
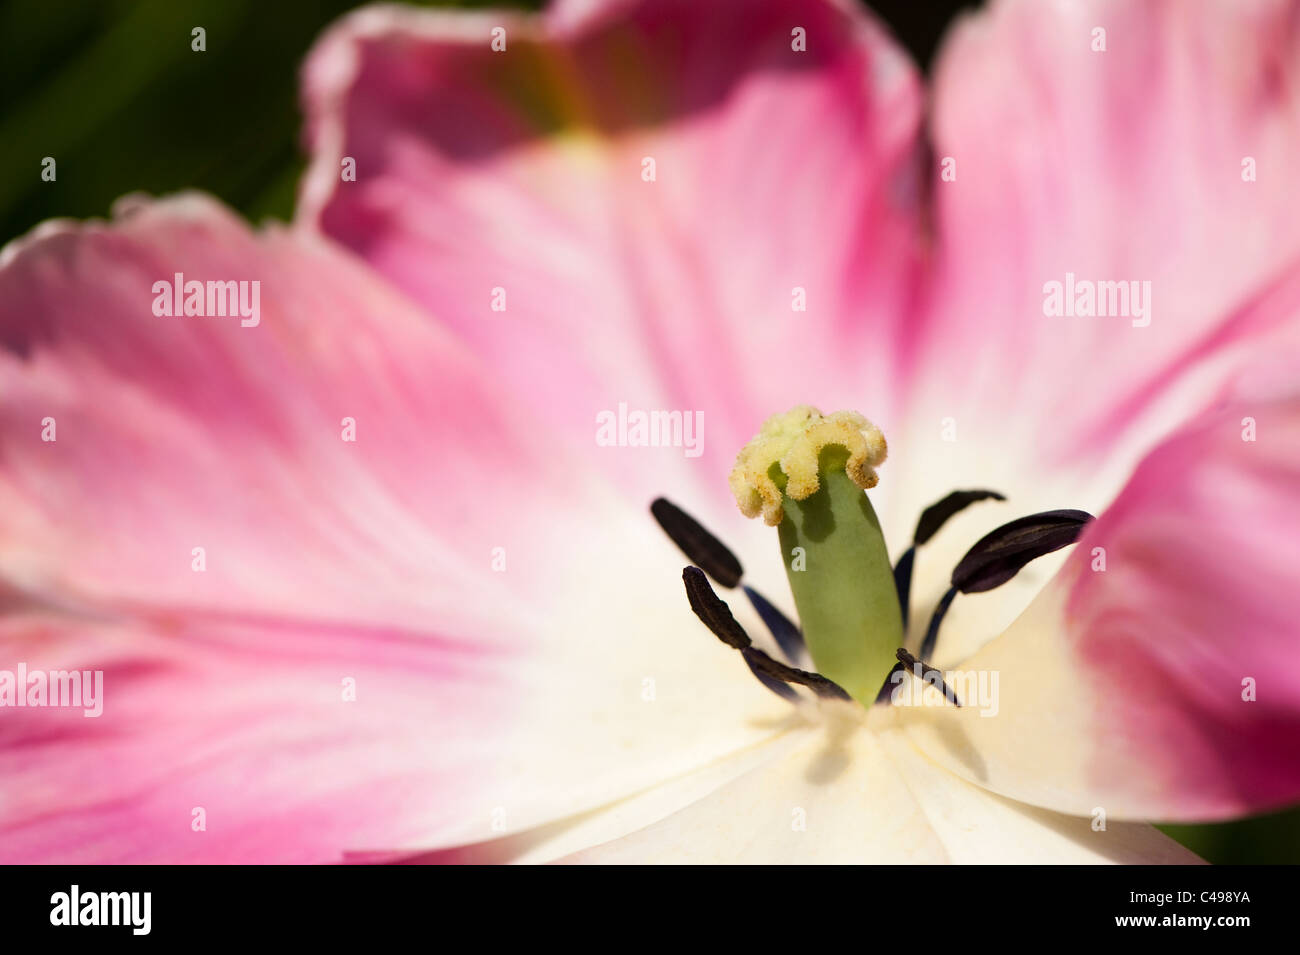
pixel 384 574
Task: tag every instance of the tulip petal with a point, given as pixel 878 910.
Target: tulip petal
pixel 1117 166
pixel 617 819
pixel 129 439
pixel 858 796
pixel 236 741
pixel 521 170
pixel 1156 677
pixel 1112 142
pixel 194 431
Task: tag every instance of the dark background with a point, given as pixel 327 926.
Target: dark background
pixel 112 90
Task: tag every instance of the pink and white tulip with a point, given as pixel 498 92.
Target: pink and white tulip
pixel 529 681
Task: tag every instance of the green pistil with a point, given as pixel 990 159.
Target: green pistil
pixel 831 544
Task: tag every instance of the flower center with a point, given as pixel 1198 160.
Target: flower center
pixel 806 474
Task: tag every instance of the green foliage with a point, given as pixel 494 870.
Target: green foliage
pixel 112 90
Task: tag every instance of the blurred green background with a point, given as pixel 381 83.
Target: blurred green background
pixel 112 90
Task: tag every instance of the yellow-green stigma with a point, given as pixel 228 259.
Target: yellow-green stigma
pixel 806 474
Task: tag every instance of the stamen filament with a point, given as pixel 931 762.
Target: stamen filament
pixel 823 687
pixel 928 674
pixel 903 582
pixel 788 637
pixel 936 618
pixel 716 615
pixel 931 521
pixel 703 549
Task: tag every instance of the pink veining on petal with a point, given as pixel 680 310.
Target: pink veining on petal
pixel 453 522
pixel 322 560
pixel 1126 165
pixel 1155 678
pixel 776 169
pixel 1189 633
pixel 233 741
pixel 194 431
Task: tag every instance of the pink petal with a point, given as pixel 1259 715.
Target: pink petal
pixel 182 432
pixel 1119 165
pixel 1126 688
pixel 1018 451
pixel 1123 165
pixel 522 170
pixel 325 559
pixel 246 721
pixel 174 432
